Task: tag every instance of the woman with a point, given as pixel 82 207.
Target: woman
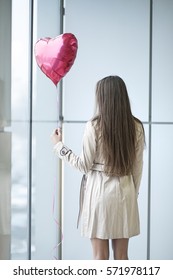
pixel 112 160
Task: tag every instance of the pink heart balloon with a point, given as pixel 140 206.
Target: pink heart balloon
pixel 55 56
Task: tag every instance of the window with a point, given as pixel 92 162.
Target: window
pixel 34 178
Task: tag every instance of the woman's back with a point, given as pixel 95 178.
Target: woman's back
pixel 117 126
pixel 99 157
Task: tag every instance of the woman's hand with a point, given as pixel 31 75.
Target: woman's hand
pixel 56 136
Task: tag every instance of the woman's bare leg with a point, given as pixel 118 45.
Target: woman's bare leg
pixel 120 248
pixel 100 248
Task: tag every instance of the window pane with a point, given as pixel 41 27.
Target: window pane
pixel 20 125
pixel 162 61
pixel 161 192
pixel 19 190
pixel 20 51
pixel 113 40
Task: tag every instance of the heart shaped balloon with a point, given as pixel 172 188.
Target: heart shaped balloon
pixel 55 56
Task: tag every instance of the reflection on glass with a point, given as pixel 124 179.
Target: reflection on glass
pixel 20 25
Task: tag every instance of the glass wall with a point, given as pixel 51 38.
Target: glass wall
pixel 131 39
pixel 20 128
pixel 33 191
pixel 115 46
pixel 5 134
pixel 162 132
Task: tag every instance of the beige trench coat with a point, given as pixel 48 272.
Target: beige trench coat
pixel 109 206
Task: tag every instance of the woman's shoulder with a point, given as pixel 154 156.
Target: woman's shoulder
pixel 91 127
pixel 92 123
pixel 138 124
pixel 139 128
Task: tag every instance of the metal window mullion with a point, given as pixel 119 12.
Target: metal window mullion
pixel 60 117
pixel 30 91
pixel 150 129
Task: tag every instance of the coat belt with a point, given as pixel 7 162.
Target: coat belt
pixel 98 167
pixel 81 197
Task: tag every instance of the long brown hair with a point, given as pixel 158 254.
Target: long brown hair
pixel 116 125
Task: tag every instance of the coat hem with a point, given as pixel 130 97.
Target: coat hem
pixel 110 237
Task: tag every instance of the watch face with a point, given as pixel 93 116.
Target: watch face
pixel 64 151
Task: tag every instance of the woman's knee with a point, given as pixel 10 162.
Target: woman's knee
pixel 120 249
pixel 120 256
pixel 100 249
pixel 101 255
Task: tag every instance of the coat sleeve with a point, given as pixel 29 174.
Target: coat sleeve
pixel 85 161
pixel 138 164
